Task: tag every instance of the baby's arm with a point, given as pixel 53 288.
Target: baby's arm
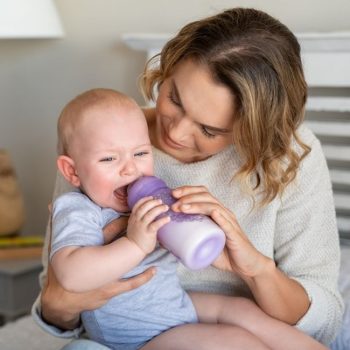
pixel 244 313
pixel 80 269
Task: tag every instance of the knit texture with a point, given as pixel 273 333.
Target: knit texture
pixel 297 230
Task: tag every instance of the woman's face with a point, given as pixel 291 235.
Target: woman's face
pixel 194 114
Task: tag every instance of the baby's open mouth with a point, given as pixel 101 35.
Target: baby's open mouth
pixel 121 194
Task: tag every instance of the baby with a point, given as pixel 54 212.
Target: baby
pixel 103 146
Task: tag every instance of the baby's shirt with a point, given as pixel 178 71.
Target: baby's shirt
pixel 130 319
pixel 77 221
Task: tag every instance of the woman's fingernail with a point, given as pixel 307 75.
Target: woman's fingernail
pixel 185 207
pixel 177 193
pixel 175 208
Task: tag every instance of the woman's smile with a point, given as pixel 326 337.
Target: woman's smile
pixel 194 114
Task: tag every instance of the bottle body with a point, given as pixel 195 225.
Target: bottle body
pixel 195 239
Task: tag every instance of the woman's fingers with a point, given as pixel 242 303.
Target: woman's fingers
pixel 197 200
pixel 194 198
pixel 98 297
pixel 189 194
pixel 115 229
pixel 191 198
pixel 125 285
pixel 222 262
pixel 206 208
pixel 239 255
pixel 222 221
pixel 187 190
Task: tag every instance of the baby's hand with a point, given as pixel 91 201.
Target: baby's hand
pixel 143 227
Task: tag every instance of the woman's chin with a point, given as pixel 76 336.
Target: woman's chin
pixel 183 155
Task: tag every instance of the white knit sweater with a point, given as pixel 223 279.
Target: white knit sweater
pixel 298 231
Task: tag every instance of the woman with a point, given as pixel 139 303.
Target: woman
pixel 227 124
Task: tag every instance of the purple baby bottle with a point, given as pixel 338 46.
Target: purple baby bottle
pixel 195 239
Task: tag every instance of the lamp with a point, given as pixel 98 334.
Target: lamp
pixel 26 19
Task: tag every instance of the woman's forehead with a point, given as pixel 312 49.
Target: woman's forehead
pixel 200 95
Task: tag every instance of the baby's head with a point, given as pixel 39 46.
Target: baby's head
pixel 103 145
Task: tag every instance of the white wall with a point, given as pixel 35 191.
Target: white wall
pixel 37 77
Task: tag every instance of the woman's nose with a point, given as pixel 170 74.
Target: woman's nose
pixel 180 129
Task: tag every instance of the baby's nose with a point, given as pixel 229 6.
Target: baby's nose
pixel 129 168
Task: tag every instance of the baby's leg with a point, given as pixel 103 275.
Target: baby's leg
pixel 244 313
pixel 206 337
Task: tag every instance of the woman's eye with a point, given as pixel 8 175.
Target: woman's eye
pixel 206 133
pixel 174 100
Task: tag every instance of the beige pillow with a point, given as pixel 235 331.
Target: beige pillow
pixel 11 200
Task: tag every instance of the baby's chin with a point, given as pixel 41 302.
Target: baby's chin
pixel 120 206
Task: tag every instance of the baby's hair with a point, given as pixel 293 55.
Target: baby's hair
pixel 73 113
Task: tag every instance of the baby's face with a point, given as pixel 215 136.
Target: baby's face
pixel 111 150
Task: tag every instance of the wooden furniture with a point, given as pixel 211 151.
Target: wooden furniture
pixel 326 59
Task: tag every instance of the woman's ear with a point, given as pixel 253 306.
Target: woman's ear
pixel 66 166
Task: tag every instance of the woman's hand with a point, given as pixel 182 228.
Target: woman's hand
pixel 115 229
pixel 62 308
pixel 278 295
pixel 239 255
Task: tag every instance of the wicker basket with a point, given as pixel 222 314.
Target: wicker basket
pixel 11 200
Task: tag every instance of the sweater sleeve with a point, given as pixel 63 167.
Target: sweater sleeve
pixel 51 329
pixel 61 186
pixel 307 244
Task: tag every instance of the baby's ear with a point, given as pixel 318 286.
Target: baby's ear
pixel 66 166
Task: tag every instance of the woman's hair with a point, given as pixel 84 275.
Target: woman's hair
pixel 258 59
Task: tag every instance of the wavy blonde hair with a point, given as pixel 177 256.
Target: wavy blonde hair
pixel 258 59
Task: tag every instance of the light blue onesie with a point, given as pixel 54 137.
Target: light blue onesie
pixel 131 319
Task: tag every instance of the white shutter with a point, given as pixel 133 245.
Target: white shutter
pixel 326 59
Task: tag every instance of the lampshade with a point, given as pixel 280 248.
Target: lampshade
pixel 29 19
